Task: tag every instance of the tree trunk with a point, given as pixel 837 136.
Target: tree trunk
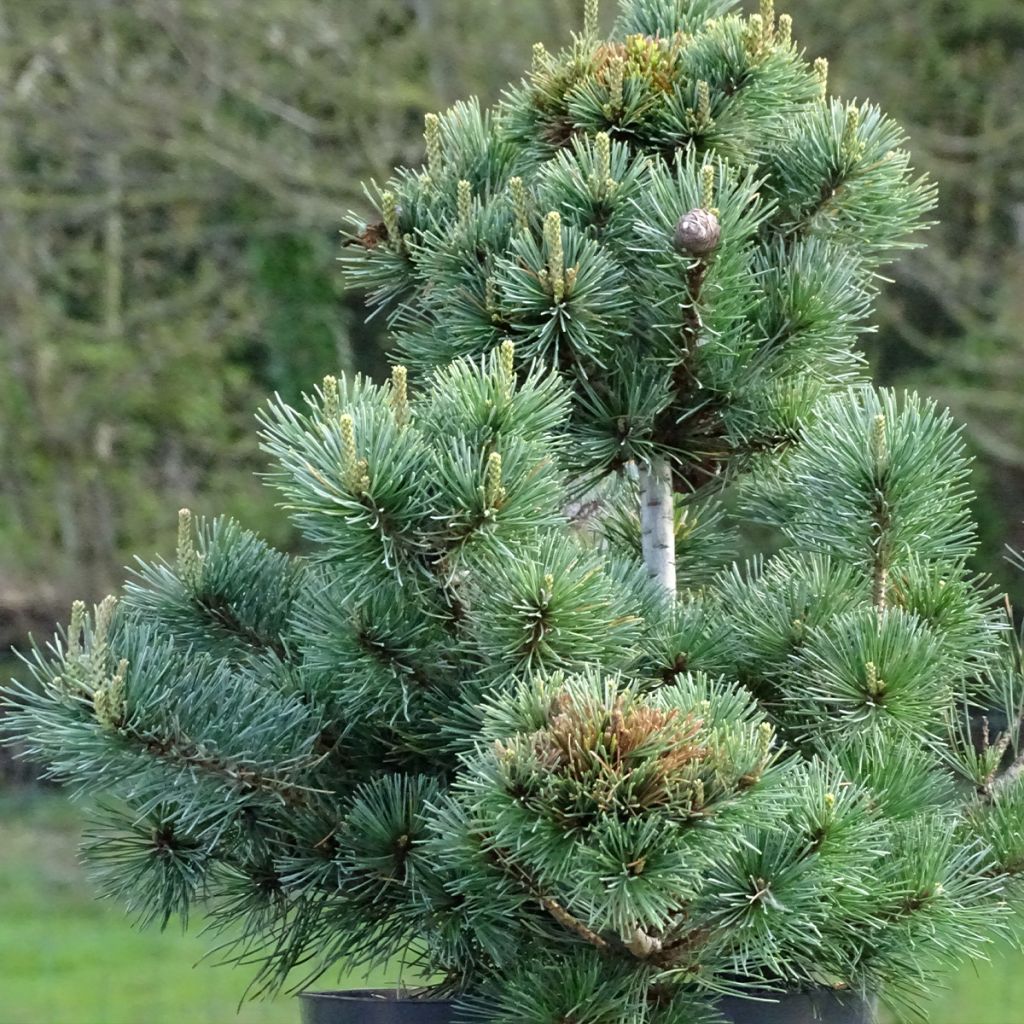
pixel 657 523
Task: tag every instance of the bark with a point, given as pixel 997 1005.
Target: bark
pixel 657 523
pixel 992 790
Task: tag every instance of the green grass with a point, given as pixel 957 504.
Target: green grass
pixel 992 993
pixel 66 958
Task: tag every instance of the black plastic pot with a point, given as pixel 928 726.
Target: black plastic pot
pixel 381 1006
pixel 373 1006
pixel 824 1007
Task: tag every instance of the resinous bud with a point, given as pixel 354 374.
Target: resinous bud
pixel 697 233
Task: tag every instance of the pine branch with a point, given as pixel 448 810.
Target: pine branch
pixel 223 615
pixel 701 422
pixel 551 905
pixel 880 514
pixel 880 568
pixel 641 945
pixel 381 651
pixel 188 754
pixel 692 322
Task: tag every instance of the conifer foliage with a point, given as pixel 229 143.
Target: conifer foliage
pixel 517 712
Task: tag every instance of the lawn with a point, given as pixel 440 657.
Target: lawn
pixel 67 959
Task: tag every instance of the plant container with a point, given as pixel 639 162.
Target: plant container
pixel 384 1006
pixel 373 1006
pixel 821 1007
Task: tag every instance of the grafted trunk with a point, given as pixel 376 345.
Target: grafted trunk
pixel 657 523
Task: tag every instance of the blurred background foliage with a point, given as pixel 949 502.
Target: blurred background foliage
pixel 952 71
pixel 174 174
pixel 173 178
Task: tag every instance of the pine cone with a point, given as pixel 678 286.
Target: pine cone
pixel 697 233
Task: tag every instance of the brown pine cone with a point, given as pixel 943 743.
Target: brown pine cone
pixel 697 233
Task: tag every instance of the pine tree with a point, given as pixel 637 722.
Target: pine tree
pixel 518 711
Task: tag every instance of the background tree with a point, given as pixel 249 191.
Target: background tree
pixel 173 176
pixel 953 74
pixel 214 145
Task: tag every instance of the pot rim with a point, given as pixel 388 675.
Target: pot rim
pixel 371 995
